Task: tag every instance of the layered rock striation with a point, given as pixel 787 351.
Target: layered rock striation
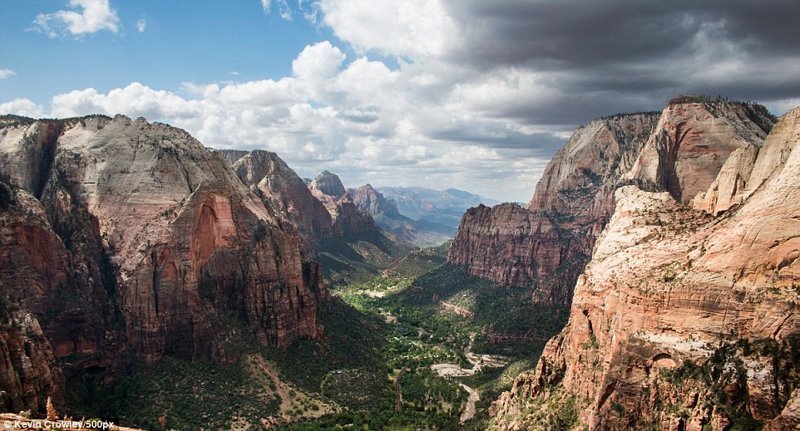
pixel 129 236
pixel 546 244
pixel 686 317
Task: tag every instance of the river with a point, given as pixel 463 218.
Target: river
pixel 445 369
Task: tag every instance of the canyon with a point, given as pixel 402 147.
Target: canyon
pixel 661 249
pixel 685 316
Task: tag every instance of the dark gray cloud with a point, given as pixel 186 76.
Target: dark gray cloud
pixel 616 55
pixel 536 144
pixel 580 34
pixel 477 95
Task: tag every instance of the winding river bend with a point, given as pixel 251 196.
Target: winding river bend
pixel 478 362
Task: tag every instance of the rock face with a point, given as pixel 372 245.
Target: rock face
pixel 320 209
pixel 329 184
pixel 685 318
pixel 131 236
pixel 28 369
pixel 348 218
pixel 281 189
pixel 692 141
pixel 703 151
pixel 528 244
pixel 386 215
pixel 681 150
pixel 547 244
pixel 373 202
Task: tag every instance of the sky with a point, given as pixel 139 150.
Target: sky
pixel 470 94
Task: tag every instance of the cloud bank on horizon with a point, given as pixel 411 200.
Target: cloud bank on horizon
pixel 465 93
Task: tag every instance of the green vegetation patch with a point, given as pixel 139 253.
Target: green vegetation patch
pixel 175 394
pixel 358 257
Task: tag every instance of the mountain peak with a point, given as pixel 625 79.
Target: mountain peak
pixel 373 202
pixel 694 137
pixel 329 184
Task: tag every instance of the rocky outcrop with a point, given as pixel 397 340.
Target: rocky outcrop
pixel 348 218
pixel 700 150
pixel 693 140
pixel 320 210
pixel 28 373
pixel 546 244
pixel 683 319
pixel 373 202
pixel 281 189
pixel 728 188
pixel 328 184
pixel 531 246
pixel 132 236
pixel 54 305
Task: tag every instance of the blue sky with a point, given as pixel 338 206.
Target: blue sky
pixel 468 94
pixel 183 41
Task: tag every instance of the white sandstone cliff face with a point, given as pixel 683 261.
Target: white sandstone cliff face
pixel 748 168
pixel 693 140
pixel 683 320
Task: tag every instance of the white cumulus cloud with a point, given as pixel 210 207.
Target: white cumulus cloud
pixel 85 17
pixel 410 28
pixel 24 107
pixel 359 118
pixel 461 93
pixel 141 25
pixel 6 73
pixel 318 62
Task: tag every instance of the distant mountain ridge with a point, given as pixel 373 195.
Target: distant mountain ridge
pixel 440 208
pixel 388 217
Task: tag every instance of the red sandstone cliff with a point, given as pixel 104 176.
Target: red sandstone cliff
pixel 139 240
pixel 321 210
pixel 546 245
pixel 686 317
